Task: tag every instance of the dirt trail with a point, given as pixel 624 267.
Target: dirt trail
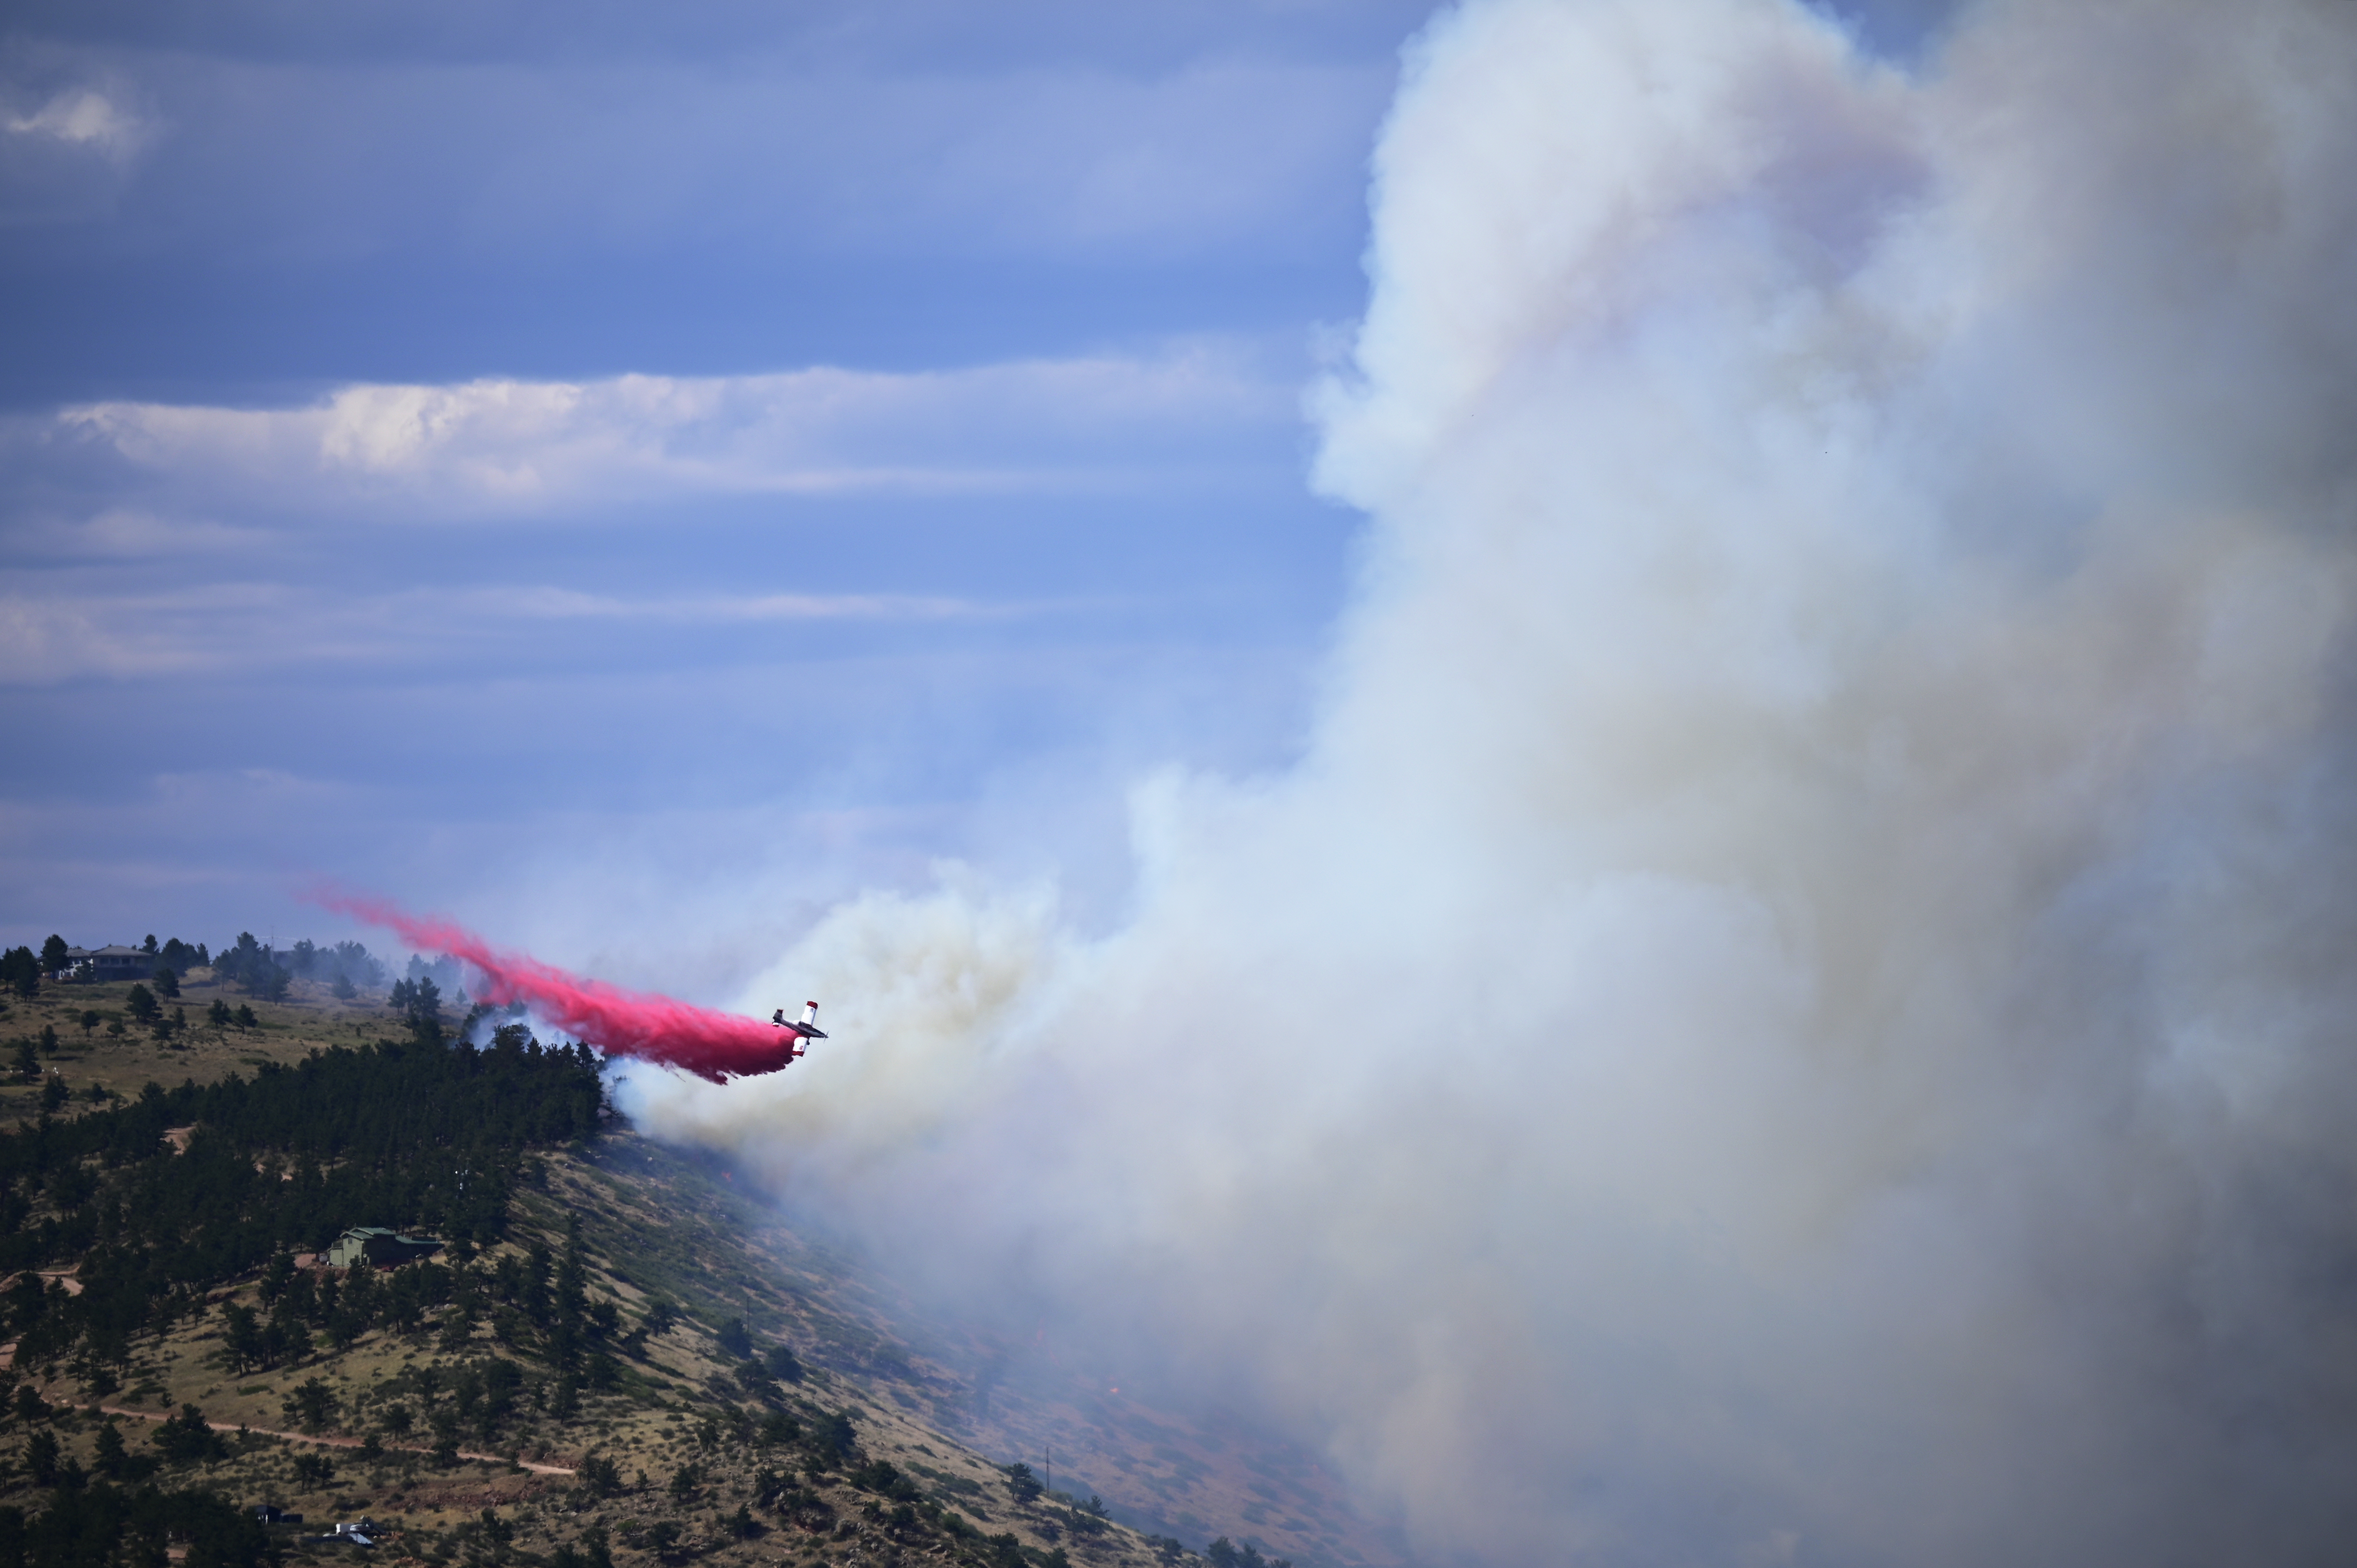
pixel 62 1277
pixel 336 1442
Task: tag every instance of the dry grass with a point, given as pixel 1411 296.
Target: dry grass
pixel 123 1063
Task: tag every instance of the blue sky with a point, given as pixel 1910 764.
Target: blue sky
pixel 633 475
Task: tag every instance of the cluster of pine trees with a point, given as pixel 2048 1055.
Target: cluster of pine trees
pixel 20 971
pixel 106 1525
pixel 264 972
pixel 398 1134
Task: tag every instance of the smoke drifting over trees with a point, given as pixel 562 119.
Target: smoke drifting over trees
pixel 1796 1007
pixel 715 1046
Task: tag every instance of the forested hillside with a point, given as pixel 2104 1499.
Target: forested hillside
pixel 593 1369
pixel 385 1134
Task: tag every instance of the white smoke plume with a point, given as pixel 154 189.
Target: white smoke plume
pixel 1799 1005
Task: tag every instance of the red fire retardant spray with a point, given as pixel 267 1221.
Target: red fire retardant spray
pixel 709 1044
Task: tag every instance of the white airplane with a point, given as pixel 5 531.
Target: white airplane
pixel 803 1028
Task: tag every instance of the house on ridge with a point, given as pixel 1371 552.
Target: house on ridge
pixel 374 1245
pixel 113 963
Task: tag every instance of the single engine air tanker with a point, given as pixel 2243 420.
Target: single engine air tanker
pixel 803 1028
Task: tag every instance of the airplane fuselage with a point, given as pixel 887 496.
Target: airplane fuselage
pixel 803 1028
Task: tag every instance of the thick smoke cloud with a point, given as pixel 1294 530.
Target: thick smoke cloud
pixel 1796 1007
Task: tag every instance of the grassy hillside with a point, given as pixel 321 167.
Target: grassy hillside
pixel 619 1360
pixel 117 1054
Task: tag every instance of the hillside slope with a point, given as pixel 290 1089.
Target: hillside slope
pixel 620 1356
pixel 692 1232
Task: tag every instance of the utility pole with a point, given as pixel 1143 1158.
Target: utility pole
pixel 1052 1470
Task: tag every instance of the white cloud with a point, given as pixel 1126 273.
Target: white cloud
pixel 83 117
pixel 509 447
pixel 68 156
pixel 60 635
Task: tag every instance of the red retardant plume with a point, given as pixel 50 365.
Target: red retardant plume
pixel 715 1045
